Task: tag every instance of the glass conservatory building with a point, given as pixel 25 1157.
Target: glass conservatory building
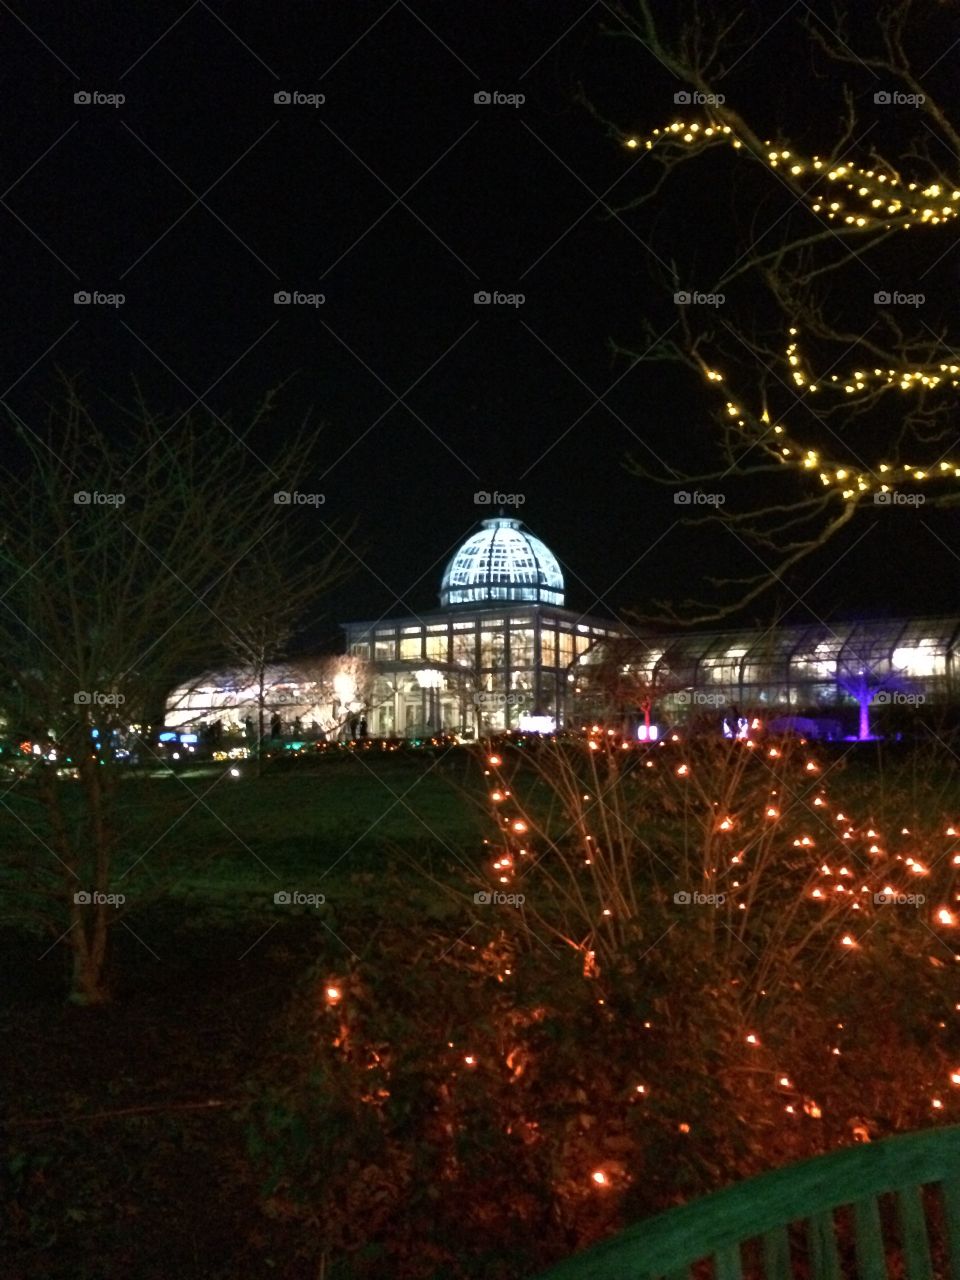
pixel 503 652
pixel 805 670
pixel 498 654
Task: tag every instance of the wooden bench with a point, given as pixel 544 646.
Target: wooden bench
pixel 848 1213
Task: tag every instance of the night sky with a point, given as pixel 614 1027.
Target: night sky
pixel 398 198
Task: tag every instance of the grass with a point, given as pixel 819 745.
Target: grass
pixel 205 963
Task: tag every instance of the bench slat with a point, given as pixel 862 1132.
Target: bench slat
pixel 871 1255
pixel 727 1265
pixel 808 1193
pixel 913 1227
pixel 822 1239
pixel 950 1190
pixel 776 1254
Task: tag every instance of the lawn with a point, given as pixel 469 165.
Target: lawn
pixel 127 1128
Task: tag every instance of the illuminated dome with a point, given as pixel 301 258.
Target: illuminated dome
pixel 501 561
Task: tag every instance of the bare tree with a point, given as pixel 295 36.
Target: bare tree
pixel 828 398
pixel 116 564
pixel 279 583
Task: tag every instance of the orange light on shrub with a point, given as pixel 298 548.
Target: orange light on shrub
pixel 946 916
pixel 334 995
pixel 773 813
pixel 682 770
pixel 519 826
pixel 470 1060
pixel 752 1039
pixel 936 1104
pixel 494 760
pixel 684 1128
pixel 496 796
pixel 600 1178
pixel 847 941
pixel 784 1082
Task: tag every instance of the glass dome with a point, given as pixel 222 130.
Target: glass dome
pixel 501 561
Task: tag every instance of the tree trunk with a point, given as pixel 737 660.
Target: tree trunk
pixel 261 715
pixel 88 984
pixel 90 924
pixel 864 717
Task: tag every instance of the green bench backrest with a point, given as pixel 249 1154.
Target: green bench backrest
pixel 759 1213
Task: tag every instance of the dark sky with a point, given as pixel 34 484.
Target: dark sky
pixel 397 199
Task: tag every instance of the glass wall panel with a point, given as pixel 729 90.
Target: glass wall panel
pixel 411 647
